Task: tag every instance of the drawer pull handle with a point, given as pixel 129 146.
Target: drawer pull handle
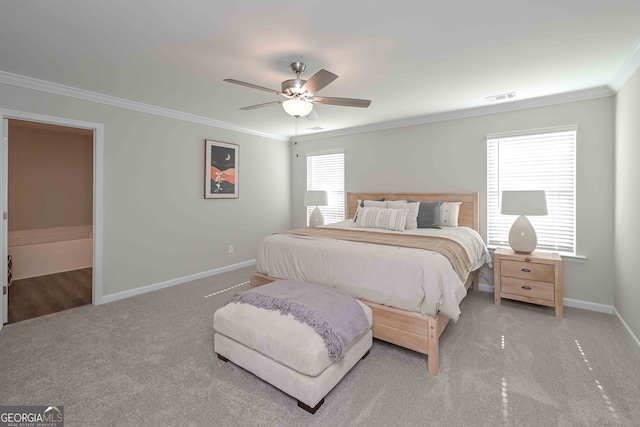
pixel 527 287
pixel 526 270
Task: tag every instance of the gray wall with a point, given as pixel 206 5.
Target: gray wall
pixel 50 177
pixel 157 224
pixel 627 226
pixel 451 156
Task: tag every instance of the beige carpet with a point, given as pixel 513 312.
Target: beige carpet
pixel 149 361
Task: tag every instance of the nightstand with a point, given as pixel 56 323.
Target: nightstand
pixel 535 278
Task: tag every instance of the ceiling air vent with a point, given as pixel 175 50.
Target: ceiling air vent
pixel 501 97
pixel 316 128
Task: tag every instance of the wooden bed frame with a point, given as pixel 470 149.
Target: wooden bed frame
pixel 404 328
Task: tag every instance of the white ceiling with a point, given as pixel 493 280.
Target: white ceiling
pixel 411 58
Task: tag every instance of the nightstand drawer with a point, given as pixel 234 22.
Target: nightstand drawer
pixel 528 270
pixel 528 288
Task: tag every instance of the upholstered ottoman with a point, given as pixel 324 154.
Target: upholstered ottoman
pixel 285 352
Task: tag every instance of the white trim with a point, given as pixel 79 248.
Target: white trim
pixel 72 92
pixel 98 207
pixel 566 128
pixel 4 229
pixel 543 101
pixel 98 178
pixel 633 336
pixel 325 153
pixel 629 66
pixel 587 305
pixel 486 287
pixel 54 120
pixel 156 286
pixel 569 302
pixel 573 258
pixel 58 89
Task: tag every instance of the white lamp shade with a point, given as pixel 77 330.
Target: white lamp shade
pixel 297 108
pixel 316 198
pixel 533 202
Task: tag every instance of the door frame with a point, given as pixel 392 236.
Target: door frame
pixel 98 172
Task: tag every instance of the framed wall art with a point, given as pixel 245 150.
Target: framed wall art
pixel 221 170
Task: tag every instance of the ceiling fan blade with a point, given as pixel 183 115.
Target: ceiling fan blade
pixel 266 104
pixel 318 81
pixel 345 102
pixel 313 115
pixel 238 82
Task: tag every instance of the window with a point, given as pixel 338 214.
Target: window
pixel 326 172
pixel 545 160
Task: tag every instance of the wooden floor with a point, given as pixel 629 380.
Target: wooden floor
pixel 37 296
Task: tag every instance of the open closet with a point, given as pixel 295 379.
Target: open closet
pixel 50 218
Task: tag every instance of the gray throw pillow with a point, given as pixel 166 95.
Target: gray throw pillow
pixel 428 214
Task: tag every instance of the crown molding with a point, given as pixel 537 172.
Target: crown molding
pixel 629 66
pixel 72 92
pixel 544 101
pixel 599 92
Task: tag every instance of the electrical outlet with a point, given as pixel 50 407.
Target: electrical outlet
pixel 230 249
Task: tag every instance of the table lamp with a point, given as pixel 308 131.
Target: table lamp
pixel 522 236
pixel 316 198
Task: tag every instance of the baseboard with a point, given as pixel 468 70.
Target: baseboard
pixel 587 305
pixel 150 288
pixel 569 302
pixel 486 288
pixel 633 336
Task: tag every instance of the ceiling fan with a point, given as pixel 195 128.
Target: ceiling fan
pixel 301 94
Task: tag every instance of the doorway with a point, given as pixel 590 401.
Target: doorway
pixel 50 218
pixel 76 231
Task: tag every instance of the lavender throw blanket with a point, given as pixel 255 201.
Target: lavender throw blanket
pixel 334 315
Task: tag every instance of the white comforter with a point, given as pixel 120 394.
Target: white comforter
pixel 410 279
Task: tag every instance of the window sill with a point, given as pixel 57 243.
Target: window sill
pixel 565 256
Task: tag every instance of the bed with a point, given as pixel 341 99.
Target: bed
pixel 415 322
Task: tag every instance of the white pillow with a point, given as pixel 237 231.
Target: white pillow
pixel 388 219
pixel 369 204
pixel 449 212
pixel 412 216
pixel 375 204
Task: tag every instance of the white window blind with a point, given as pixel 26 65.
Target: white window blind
pixel 326 172
pixel 541 161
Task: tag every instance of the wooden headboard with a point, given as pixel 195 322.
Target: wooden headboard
pixel 469 209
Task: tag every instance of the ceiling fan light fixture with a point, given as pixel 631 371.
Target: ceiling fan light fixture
pixel 301 94
pixel 297 107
